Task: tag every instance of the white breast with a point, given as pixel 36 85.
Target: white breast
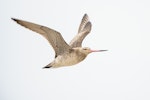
pixel 68 60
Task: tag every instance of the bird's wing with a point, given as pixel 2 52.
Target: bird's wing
pixel 84 29
pixel 54 37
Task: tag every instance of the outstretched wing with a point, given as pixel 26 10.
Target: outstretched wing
pixel 54 37
pixel 84 30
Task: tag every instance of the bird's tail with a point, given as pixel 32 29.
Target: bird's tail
pixel 48 66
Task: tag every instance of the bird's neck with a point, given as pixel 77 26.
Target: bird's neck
pixel 81 56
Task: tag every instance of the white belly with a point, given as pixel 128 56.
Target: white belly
pixel 67 60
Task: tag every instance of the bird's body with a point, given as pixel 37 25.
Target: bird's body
pixel 65 54
pixel 67 59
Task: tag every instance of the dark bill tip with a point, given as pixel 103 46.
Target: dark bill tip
pixel 102 50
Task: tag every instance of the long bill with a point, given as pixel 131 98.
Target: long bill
pixel 98 50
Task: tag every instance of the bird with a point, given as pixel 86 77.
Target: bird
pixel 65 54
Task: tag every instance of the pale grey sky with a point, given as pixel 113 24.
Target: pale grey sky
pixel 122 73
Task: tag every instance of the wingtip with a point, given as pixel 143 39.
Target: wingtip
pixel 85 14
pixel 14 19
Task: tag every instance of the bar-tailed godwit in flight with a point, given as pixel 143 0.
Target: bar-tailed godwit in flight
pixel 65 54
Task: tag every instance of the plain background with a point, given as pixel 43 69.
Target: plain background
pixel 122 73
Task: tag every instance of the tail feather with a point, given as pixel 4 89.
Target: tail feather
pixel 48 66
